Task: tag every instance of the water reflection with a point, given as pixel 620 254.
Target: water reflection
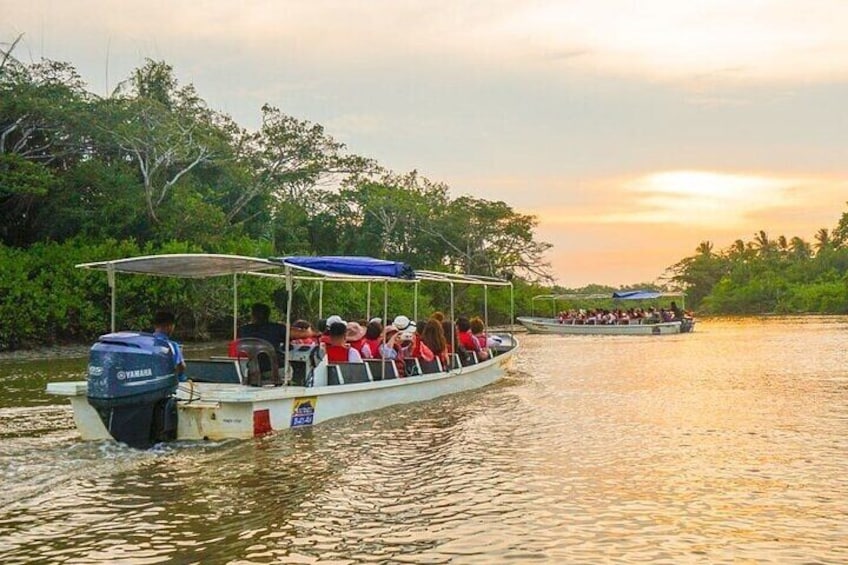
pixel 727 445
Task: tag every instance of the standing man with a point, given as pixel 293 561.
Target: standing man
pixel 163 327
pixel 262 327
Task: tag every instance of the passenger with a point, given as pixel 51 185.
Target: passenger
pixel 454 346
pixel 433 335
pixel 466 340
pixel 355 336
pixel 373 340
pixel 421 350
pixel 677 313
pixel 478 332
pixel 306 327
pixel 261 327
pixel 325 333
pixel 337 350
pixel 402 323
pixel 163 327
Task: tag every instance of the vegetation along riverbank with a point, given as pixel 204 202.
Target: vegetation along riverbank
pixel 152 169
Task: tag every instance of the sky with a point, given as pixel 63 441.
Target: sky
pixel 632 130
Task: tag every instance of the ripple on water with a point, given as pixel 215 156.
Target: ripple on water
pixel 618 450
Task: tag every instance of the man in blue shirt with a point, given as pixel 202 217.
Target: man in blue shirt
pixel 163 327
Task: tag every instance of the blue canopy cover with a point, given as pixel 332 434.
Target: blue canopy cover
pixel 358 266
pixel 636 294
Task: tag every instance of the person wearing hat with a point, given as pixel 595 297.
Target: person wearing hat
pixel 338 350
pixel 355 336
pixel 402 323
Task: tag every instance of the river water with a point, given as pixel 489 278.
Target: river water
pixel 728 445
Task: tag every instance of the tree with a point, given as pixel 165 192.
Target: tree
pixel 823 241
pixel 153 123
pixel 486 237
pixel 41 112
pixel 800 249
pixel 288 157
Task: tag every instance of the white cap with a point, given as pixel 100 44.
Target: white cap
pixel 403 323
pixel 334 320
pixel 375 319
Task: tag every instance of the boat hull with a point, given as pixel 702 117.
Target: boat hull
pixel 552 326
pixel 216 411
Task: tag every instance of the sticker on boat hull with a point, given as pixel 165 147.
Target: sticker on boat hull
pixel 303 413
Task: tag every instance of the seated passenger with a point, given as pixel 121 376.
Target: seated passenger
pixel 454 345
pixel 305 327
pixel 261 327
pixel 466 340
pixel 337 350
pixel 420 349
pixel 373 340
pixel 355 336
pixel 479 334
pixel 433 336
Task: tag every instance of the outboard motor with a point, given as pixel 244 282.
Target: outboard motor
pixel 131 384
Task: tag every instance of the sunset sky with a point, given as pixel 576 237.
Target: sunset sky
pixel 633 130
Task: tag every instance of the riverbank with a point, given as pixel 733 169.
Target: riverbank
pixel 80 350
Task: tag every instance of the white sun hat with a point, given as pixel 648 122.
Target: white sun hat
pixel 403 323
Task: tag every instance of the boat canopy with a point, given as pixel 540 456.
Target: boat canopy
pixel 333 266
pixel 617 295
pixel 185 265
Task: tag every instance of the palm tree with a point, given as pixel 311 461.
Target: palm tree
pixel 800 249
pixel 823 240
pixel 705 248
pixel 763 243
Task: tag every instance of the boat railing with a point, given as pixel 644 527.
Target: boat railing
pixel 348 373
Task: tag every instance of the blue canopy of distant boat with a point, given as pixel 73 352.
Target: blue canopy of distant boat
pixel 356 266
pixel 636 294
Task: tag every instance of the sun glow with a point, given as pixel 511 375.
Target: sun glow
pixel 707 198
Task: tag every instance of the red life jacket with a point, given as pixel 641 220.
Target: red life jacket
pixel 337 353
pixel 467 341
pixel 373 346
pixel 357 345
pixel 420 350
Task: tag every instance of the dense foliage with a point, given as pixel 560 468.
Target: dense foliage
pixel 769 276
pixel 152 169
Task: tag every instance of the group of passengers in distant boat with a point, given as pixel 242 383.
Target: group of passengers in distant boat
pixel 620 316
pixel 401 340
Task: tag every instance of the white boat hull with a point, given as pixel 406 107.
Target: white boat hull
pixel 553 326
pixel 216 411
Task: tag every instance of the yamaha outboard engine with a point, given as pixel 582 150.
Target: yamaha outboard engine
pixel 131 384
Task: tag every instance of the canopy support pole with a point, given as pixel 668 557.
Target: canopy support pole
pixel 453 329
pixel 110 275
pixel 511 308
pixel 385 306
pixel 287 367
pixel 235 306
pixel 486 306
pixel 368 306
pixel 415 305
pixel 320 297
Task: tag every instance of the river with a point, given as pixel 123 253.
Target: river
pixel 728 445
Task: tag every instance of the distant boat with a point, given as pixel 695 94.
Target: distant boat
pixel 132 394
pixel 604 321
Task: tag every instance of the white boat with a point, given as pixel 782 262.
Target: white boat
pixel 580 326
pixel 218 403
